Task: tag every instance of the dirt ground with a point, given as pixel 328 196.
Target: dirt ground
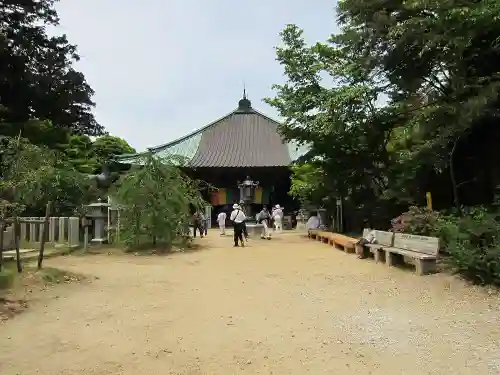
pixel 286 306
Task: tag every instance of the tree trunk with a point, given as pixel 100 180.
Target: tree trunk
pixel 44 234
pixel 456 198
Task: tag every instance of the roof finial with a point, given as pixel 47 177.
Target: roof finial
pixel 244 105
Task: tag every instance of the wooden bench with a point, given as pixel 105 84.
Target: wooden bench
pixel 317 234
pixel 382 238
pixel 341 242
pixel 421 251
pixel 326 237
pixel 313 233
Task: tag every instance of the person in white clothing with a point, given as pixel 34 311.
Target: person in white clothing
pixel 221 220
pixel 238 219
pixel 369 238
pixel 264 218
pixel 278 218
pixel 313 222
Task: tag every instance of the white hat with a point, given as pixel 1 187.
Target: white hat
pixel 235 206
pixel 277 206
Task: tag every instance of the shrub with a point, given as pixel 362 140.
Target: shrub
pixel 472 244
pixel 155 203
pixel 470 241
pixel 421 221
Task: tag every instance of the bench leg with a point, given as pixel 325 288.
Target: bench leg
pixel 392 259
pixel 425 266
pixel 349 249
pixel 380 256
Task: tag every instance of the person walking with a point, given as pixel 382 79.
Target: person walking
pixel 264 218
pixel 205 224
pixel 238 219
pixel 278 218
pixel 198 224
pixel 221 220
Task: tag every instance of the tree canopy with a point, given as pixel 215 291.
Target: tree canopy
pixel 401 101
pixel 33 175
pixel 37 79
pixel 89 156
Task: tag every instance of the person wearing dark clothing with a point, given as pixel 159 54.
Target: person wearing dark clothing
pixel 238 218
pixel 264 218
pixel 198 224
pixel 205 226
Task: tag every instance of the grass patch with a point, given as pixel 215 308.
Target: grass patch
pixel 31 277
pixel 19 289
pixel 56 276
pixel 142 250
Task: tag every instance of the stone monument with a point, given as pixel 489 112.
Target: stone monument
pixel 99 214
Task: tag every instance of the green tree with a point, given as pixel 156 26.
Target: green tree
pixel 90 157
pixel 37 80
pixel 105 148
pixel 155 202
pixel 344 125
pixel 307 184
pixel 444 56
pixel 79 154
pixel 33 175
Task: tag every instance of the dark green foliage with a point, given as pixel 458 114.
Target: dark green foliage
pixel 470 243
pixel 90 157
pixel 34 175
pixel 155 202
pixel 37 78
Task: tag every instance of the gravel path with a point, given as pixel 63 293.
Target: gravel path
pixel 286 306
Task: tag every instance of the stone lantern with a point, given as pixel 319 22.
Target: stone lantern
pixel 247 194
pixel 302 220
pixel 99 214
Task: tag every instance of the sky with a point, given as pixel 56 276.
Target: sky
pixel 164 68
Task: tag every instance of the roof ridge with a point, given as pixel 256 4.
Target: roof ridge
pixel 192 134
pixel 202 129
pixel 267 117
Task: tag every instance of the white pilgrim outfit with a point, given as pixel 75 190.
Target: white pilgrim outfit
pixel 238 216
pixel 278 218
pixel 221 220
pixel 313 222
